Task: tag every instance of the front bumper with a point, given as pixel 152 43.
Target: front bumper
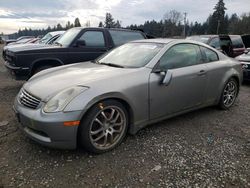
pixel 47 128
pixel 18 73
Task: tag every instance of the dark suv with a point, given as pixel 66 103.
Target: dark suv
pixel 231 45
pixel 76 45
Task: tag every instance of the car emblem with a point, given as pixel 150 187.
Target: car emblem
pixel 244 66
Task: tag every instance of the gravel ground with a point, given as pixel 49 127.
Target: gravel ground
pixel 205 148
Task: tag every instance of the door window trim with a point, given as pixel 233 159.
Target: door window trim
pixel 96 30
pixel 157 69
pixel 204 56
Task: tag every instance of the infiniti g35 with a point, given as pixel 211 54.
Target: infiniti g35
pixel 97 103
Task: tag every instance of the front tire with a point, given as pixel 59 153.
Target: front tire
pixel 229 94
pixel 104 127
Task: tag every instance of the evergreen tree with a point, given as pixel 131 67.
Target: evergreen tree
pixel 58 27
pixel 233 23
pixel 109 21
pixel 217 20
pixel 68 25
pixel 77 23
pixel 100 24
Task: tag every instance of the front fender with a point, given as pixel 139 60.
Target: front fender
pixel 87 99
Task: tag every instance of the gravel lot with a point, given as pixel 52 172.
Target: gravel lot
pixel 205 148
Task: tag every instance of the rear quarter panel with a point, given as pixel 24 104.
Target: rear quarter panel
pixel 218 74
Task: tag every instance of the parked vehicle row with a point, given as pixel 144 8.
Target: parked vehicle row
pixel 76 45
pixel 95 104
pixel 49 38
pixel 231 45
pixel 7 42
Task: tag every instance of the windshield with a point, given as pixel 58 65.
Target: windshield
pixel 45 39
pixel 68 37
pixel 131 55
pixel 23 41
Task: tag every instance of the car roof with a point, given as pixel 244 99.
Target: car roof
pixel 205 36
pixel 169 40
pixel 157 40
pixel 103 28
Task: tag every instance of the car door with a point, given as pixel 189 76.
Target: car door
pixel 186 81
pixel 95 46
pixel 216 70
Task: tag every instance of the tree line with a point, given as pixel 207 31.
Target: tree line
pixel 173 24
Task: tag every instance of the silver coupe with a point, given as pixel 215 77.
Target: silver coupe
pixel 95 104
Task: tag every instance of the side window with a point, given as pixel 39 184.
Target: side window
pixel 215 42
pixel 181 55
pixel 122 37
pixel 211 56
pixel 93 38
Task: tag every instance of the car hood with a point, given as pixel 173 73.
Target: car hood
pixel 49 82
pixel 243 57
pixel 22 48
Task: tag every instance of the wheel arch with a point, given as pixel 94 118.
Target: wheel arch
pixel 124 102
pixel 45 61
pixel 225 80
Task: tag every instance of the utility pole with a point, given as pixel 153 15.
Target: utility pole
pixel 185 21
pixel 218 27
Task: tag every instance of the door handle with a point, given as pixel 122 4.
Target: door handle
pixel 202 72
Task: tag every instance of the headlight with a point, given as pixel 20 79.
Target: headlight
pixel 62 99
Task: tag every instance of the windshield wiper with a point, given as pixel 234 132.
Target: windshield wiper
pixel 112 65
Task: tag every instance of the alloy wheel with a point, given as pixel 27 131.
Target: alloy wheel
pixel 229 93
pixel 107 128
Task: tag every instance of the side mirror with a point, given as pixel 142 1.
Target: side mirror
pixel 80 43
pixel 167 76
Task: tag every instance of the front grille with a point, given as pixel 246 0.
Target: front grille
pixel 28 100
pixel 9 58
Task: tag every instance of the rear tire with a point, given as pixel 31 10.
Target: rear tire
pixel 103 127
pixel 229 94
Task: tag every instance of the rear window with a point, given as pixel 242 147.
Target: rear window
pixel 122 37
pixel 211 56
pixel 237 42
pixel 215 42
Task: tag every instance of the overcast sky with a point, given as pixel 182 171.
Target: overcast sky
pixel 15 14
